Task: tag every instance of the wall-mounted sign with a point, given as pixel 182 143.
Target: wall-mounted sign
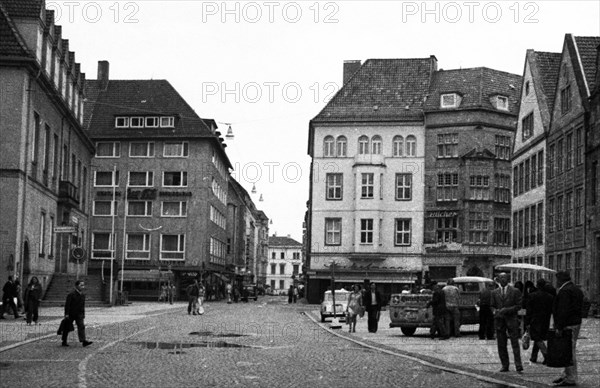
pixel 141 194
pixel 64 229
pixel 175 193
pixel 440 214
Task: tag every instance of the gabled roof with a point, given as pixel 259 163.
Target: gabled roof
pixel 548 67
pixel 24 8
pixel 276 241
pixel 587 47
pixel 382 90
pixel 476 87
pixel 11 42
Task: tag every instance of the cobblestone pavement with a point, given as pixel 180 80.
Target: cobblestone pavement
pixel 258 344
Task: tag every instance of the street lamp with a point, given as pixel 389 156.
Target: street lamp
pixel 335 323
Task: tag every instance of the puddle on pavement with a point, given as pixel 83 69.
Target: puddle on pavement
pixel 211 334
pixel 181 345
pixel 4 364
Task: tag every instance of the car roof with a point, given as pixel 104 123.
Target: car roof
pixel 467 279
pixel 340 291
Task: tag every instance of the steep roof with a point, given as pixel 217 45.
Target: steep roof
pixel 24 8
pixel 548 68
pixel 11 42
pixel 276 241
pixel 382 90
pixel 476 86
pixel 587 46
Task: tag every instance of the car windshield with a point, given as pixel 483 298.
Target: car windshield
pixel 339 297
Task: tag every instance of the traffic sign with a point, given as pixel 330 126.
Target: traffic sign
pixel 64 229
pixel 78 253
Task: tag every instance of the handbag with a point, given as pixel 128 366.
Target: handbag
pixel 361 311
pixel 65 325
pixel 526 340
pixel 560 349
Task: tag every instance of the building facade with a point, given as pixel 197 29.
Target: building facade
pixel 44 153
pixel 284 264
pixel 529 160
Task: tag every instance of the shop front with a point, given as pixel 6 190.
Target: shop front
pixel 143 284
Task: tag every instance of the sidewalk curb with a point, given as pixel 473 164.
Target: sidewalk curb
pixel 431 362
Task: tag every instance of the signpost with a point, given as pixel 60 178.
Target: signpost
pixel 335 323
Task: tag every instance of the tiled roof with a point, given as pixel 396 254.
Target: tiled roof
pixel 11 42
pixel 382 89
pixel 140 98
pixel 476 87
pixel 23 8
pixel 276 241
pixel 587 46
pixel 548 65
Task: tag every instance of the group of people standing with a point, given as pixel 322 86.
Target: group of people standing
pixel 11 299
pixel 195 293
pixel 168 292
pixel 446 313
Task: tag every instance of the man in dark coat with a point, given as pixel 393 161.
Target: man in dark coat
pixel 506 302
pixel 567 316
pixel 372 302
pixel 438 303
pixel 486 318
pixel 193 292
pixel 537 320
pixel 9 293
pixel 75 311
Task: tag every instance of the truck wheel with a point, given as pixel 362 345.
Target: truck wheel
pixel 408 331
pixel 322 318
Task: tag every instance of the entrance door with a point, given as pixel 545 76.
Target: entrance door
pixel 26 259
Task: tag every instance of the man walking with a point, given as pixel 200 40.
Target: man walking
pixel 193 292
pixel 506 302
pixel 438 303
pixel 9 293
pixel 567 316
pixel 537 320
pixel 372 302
pixel 75 311
pixel 452 299
pixel 486 318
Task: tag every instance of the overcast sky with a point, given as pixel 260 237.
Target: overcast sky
pixel 268 67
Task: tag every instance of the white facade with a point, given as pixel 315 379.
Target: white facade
pixel 284 261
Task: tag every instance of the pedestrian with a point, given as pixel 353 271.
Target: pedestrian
pixel 20 304
pixel 192 291
pixel 163 294
pixel 506 302
pixel 295 295
pixel 452 295
pixel 75 311
pixel 199 306
pixel 290 294
pixel 236 294
pixel 566 311
pixel 372 302
pixel 537 319
pixel 33 297
pixel 172 291
pixel 9 293
pixel 440 313
pixel 353 308
pixel 486 318
pixel 229 289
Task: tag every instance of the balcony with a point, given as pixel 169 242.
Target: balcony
pixel 369 159
pixel 68 194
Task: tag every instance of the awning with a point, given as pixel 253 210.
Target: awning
pixel 220 276
pixel 137 275
pixel 373 277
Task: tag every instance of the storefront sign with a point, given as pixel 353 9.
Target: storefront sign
pixel 175 193
pixel 440 214
pixel 141 194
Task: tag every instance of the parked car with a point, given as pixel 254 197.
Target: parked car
pixel 341 302
pixel 249 291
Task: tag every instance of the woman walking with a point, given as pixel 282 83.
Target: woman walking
pixel 33 297
pixel 354 308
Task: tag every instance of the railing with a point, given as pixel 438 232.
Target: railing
pixel 67 192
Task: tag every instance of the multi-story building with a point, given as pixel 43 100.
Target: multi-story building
pixel 470 116
pixel 365 216
pixel 284 264
pixel 593 186
pixel 159 191
pixel 44 153
pixel 567 235
pixel 529 159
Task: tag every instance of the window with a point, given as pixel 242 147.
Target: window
pixel 281 284
pixel 527 88
pixel 447 187
pixel 122 122
pixel 479 187
pixel 51 249
pixel 502 191
pixel 175 150
pixel 448 145
pixel 478 227
pixel 138 246
pixel 533 225
pixel 402 232
pixel 565 99
pixel 141 150
pixel 502 231
pixel 559 262
pixel 569 152
pixel 151 122
pixel 559 157
pixel 579 139
pixel 398 146
pixel 403 187
pixel 559 212
pixel 42 240
pixel 110 149
pixel 333 231
pixel 515 181
pixel 527 126
pixel 175 178
pixel 447 229
pixel 282 269
pixel 521 175
pixel 105 208
pixel 550 172
pixel 502 102
pixel 411 145
pixel 579 207
pixel 515 233
pixel 46 159
pixel 367 185
pixel 217 217
pixel 366 231
pixel 540 169
pixel 282 255
pixel 295 269
pixel 540 223
pixel 141 178
pixel 363 145
pixel 376 144
pixel 172 247
pixel 56 155
pixel 296 255
pixel 334 186
pixel 167 122
pixel 527 175
pixel 328 147
pixel 449 100
pixel 569 210
pixel 35 150
pixel 526 234
pixel 341 146
pixel 502 147
pixel 273 269
pixel 533 171
pixel 551 261
pixel 174 209
pixel 139 208
pixel 102 246
pixel 106 178
pixel 551 215
pixel 577 269
pixel 136 122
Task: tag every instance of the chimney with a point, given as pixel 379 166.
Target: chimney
pixel 434 65
pixel 350 67
pixel 289 236
pixel 103 74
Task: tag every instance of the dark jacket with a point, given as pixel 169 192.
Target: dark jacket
pixel 539 310
pixel 511 302
pixel 485 298
pixel 33 295
pixel 75 305
pixel 193 290
pixel 368 303
pixel 567 306
pixel 438 302
pixel 9 290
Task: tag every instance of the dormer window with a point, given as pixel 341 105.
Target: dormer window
pixel 122 122
pixel 152 122
pixel 502 102
pixel 167 122
pixel 449 100
pixel 144 122
pixel 136 122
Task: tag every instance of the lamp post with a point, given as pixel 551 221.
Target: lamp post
pixel 335 323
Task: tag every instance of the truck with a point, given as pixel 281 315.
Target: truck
pixel 410 311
